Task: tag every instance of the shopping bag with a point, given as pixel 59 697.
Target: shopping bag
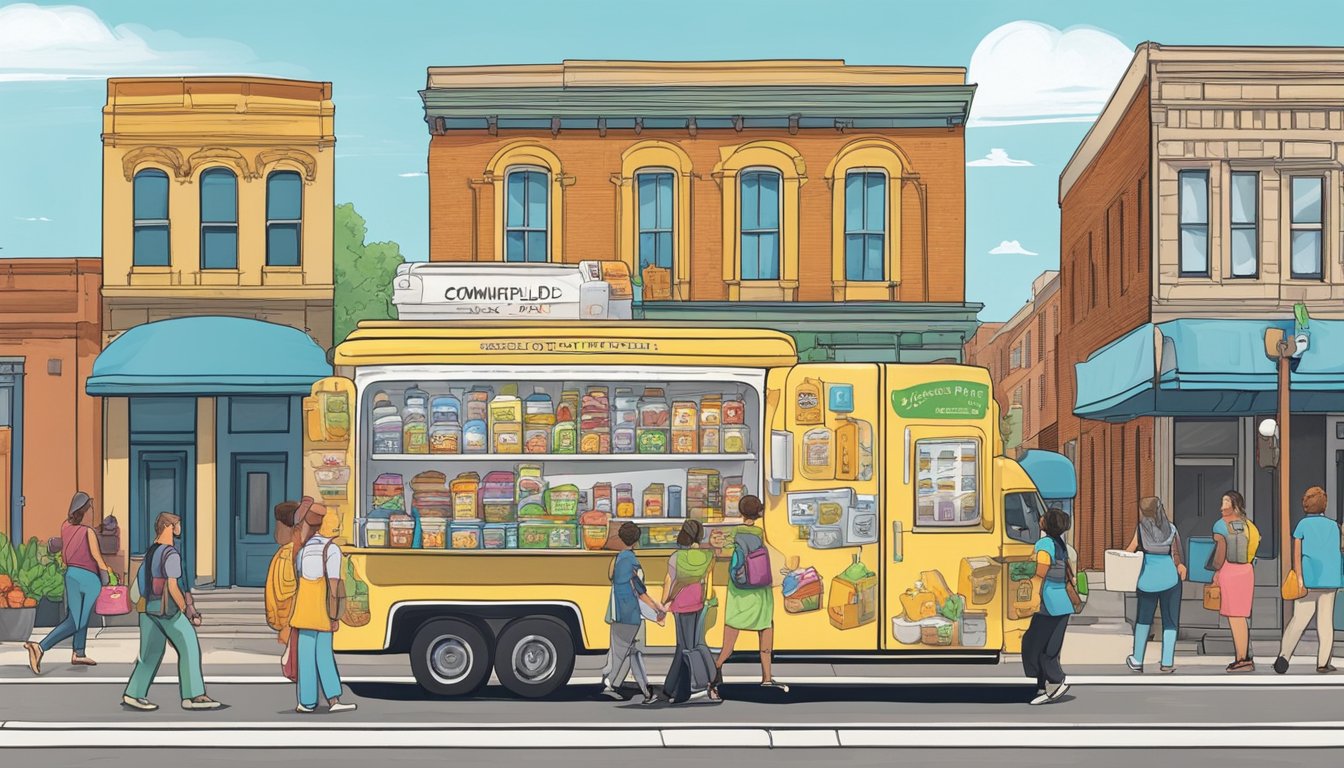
pixel 113 599
pixel 289 662
pixel 1292 587
pixel 1213 597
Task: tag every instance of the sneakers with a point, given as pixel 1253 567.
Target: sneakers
pixel 1041 698
pixel 143 705
pixel 649 700
pixel 1055 692
pixel 1280 666
pixel 340 706
pixel 1133 664
pixel 35 654
pixel 699 695
pixel 303 710
pixel 611 693
pixel 201 702
pixel 1164 669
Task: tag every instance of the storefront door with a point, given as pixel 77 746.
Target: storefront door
pixel 258 486
pixel 162 484
pixel 1200 483
pixel 5 448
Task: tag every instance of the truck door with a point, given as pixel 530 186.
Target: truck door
pixel 941 569
pixel 823 523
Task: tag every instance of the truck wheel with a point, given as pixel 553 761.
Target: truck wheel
pixel 450 657
pixel 535 657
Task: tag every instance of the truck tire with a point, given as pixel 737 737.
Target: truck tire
pixel 450 657
pixel 534 657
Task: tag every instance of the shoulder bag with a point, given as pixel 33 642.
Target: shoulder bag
pixel 336 597
pixel 1070 583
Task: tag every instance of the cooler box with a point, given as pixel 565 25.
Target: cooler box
pixel 1198 551
pixel 1122 570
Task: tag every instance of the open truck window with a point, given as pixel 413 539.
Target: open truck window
pixel 1022 514
pixel 947 491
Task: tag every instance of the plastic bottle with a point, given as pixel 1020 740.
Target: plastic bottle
pixel 853 437
pixel 809 406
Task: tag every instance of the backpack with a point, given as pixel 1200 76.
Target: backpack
pixel 147 586
pixel 750 566
pixel 1239 542
pixel 281 587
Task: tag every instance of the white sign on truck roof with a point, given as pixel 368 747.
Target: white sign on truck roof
pixel 495 291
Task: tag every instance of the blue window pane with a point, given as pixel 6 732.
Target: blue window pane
pixel 536 246
pixel 854 202
pixel 751 257
pixel 875 202
pixel 219 196
pixel 284 196
pixel 1307 253
pixel 648 201
pixel 872 260
pixel 515 247
pixel 1307 200
pixel 769 258
pixel 517 186
pixel 219 248
pixel 1194 197
pixel 664 201
pixel 536 200
pixel 768 217
pixel 1194 249
pixel 665 249
pixel 648 248
pixel 282 245
pixel 1244 262
pixel 853 257
pixel 1243 197
pixel 151 246
pixel 751 201
pixel 151 195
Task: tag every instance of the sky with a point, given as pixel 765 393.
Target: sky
pixel 1043 70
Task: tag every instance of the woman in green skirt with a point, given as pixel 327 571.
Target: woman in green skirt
pixel 749 609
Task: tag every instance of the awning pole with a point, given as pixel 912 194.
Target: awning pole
pixel 1285 486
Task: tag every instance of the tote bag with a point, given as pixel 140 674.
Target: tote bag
pixel 113 599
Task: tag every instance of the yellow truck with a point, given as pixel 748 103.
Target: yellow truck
pixel 482 469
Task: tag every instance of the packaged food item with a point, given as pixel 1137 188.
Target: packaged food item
pixel 375 533
pixel 565 437
pixel 918 603
pixel 415 420
pixel 673 507
pixel 736 439
pixel 733 491
pixel 802 589
pixel 624 421
pixel 595 421
pixel 935 583
pixel 711 411
pixel 660 536
pixel 401 532
pixel 625 500
pixel 818 455
pixel 853 600
pixel 331 420
pixel 547 536
pixel 600 499
pixel 568 407
pixel 475 430
pixel 652 434
pixel 431 495
pixel 937 631
pixel 531 489
pixel 596 529
pixel 387 434
pixel 711 439
pixel 685 415
pixel 477 403
pixel 433 533
pixel 974 629
pixel 466 490
pixel 538 422
pixel 498 496
pixel 466 535
pixel 907 632
pixel 734 410
pixel 653 500
pixel 808 398
pixel 506 424
pixel 562 501
pixel 499 536
pixel 389 495
pixel 445 424
pixel 704 495
pixel 978 580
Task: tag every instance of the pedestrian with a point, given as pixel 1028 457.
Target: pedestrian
pixel 281 583
pixel 317 610
pixel 169 616
pixel 1159 582
pixel 1318 560
pixel 85 574
pixel 749 609
pixel 1235 539
pixel 626 651
pixel 685 589
pixel 1044 639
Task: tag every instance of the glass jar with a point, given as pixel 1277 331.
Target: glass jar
pixel 736 439
pixel 625 500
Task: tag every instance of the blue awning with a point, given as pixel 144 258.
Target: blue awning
pixel 1051 473
pixel 208 356
pixel 1207 367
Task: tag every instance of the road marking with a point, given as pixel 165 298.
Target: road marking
pixel 1051 736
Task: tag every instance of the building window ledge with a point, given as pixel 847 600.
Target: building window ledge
pixel 286 276
pixel 762 290
pixel 226 277
pixel 854 290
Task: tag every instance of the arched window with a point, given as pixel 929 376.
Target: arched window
pixel 284 219
pixel 526 215
pixel 150 243
pixel 655 190
pixel 866 225
pixel 760 197
pixel 219 219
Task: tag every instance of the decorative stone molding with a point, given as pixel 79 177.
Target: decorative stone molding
pixel 298 157
pixel 216 155
pixel 134 160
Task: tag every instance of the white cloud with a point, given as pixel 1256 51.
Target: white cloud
pixel 411 175
pixel 998 158
pixel 32 218
pixel 1010 248
pixel 1029 72
pixel 68 42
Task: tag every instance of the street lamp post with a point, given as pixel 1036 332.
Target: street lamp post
pixel 1285 487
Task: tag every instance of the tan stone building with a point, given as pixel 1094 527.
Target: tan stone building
pixel 1204 204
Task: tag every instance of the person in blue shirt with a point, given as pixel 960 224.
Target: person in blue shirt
pixel 1319 562
pixel 1159 582
pixel 1044 639
pixel 627 623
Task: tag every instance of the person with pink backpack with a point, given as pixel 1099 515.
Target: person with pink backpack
pixel 751 599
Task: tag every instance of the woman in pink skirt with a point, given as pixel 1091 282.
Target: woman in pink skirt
pixel 1235 539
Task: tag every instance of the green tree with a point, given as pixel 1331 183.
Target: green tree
pixel 364 273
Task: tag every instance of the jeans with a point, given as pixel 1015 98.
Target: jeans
pixel 1041 646
pixel 1321 604
pixel 317 666
pixel 626 654
pixel 81 593
pixel 1171 619
pixel 155 632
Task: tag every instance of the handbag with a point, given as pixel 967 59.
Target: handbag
pixel 289 661
pixel 1072 590
pixel 1292 587
pixel 335 598
pixel 1213 597
pixel 113 599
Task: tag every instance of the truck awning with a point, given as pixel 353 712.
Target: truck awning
pixel 541 343
pixel 1051 473
pixel 208 356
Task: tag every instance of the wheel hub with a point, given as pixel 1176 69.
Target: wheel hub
pixel 450 659
pixel 534 659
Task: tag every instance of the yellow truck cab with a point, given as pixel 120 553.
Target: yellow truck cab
pixel 482 469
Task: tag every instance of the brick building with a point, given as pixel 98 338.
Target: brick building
pixel 1202 206
pixel 744 193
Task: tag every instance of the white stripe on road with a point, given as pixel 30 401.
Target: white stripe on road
pixel 1172 681
pixel 1051 736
